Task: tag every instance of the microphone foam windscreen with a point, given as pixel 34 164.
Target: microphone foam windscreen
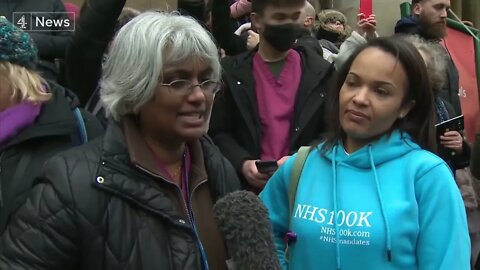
pixel 243 220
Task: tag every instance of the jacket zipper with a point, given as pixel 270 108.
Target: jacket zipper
pixel 177 188
pixel 189 212
pixel 185 207
pixel 194 226
pixel 123 170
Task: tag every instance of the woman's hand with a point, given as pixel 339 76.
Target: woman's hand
pixel 452 140
pixel 366 26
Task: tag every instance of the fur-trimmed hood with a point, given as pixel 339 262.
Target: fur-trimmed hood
pixel 324 31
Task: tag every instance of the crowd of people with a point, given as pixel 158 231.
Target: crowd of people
pixel 118 138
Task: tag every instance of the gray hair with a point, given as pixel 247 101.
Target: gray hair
pixel 434 57
pixel 140 52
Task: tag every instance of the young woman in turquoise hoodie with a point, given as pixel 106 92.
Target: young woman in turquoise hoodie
pixel 372 195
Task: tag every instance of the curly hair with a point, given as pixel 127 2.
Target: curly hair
pixel 434 57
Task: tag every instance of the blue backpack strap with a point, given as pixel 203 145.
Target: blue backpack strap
pixel 82 130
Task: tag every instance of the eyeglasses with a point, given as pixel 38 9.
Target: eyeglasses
pixel 185 87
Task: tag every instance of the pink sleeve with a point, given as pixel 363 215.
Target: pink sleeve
pixel 240 8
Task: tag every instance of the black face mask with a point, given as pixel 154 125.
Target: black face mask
pixel 281 36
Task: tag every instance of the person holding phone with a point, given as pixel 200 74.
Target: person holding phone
pixel 272 102
pixel 373 194
pixel 453 148
pixel 366 30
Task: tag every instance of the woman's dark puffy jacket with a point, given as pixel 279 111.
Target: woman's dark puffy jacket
pixel 55 130
pixel 93 209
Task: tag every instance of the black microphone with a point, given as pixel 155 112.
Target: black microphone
pixel 243 220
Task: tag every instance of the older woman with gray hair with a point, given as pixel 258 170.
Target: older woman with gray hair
pixel 142 196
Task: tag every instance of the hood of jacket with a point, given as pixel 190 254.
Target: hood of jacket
pixel 55 119
pixel 411 25
pixel 387 148
pixel 408 25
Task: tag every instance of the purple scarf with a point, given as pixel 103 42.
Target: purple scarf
pixel 14 119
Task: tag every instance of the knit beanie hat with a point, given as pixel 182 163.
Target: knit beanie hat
pixel 16 46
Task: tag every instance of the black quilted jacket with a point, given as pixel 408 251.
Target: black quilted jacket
pixel 21 160
pixel 71 221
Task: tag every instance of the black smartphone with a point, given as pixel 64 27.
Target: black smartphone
pixel 266 166
pixel 454 124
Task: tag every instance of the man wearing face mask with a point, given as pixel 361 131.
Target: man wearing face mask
pixel 306 37
pixel 273 96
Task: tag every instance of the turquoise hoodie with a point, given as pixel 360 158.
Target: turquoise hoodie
pixel 389 205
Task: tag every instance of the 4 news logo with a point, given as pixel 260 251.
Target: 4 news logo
pixel 44 21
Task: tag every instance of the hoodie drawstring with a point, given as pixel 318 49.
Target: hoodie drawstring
pixel 334 170
pixel 382 206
